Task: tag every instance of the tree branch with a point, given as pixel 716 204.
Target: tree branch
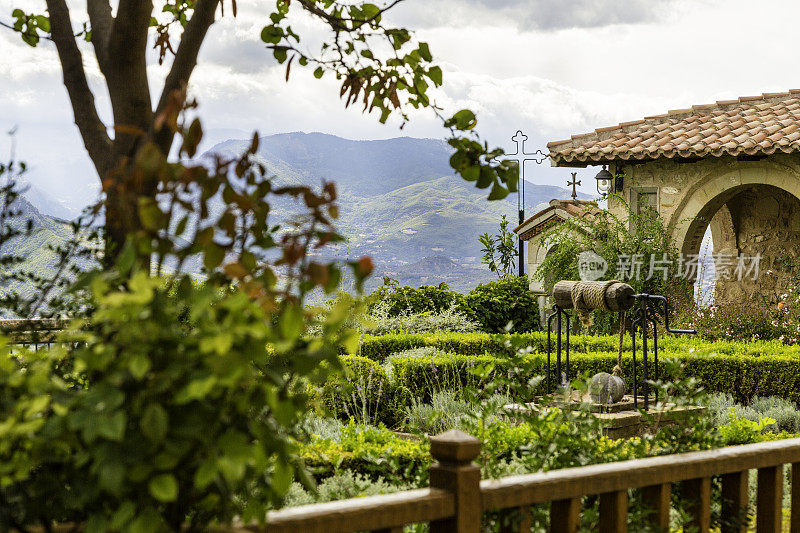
pixel 92 129
pixel 126 74
pixel 185 61
pixel 101 21
pixel 128 38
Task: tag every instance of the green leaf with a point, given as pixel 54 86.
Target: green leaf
pixel 146 522
pixel 280 54
pixel 150 214
pixel 486 178
pixel 425 52
pixel 282 477
pixel 43 23
pixel 463 120
pixel 498 192
pixel 205 474
pixel 471 173
pixel 124 513
pixel 154 422
pixel 213 256
pixel 112 477
pixel 112 427
pixel 291 322
pixel 196 390
pixel 318 72
pixel 435 75
pixel 139 365
pixel 164 488
pixel 271 34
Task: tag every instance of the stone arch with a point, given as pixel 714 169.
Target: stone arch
pixel 703 200
pixel 723 231
pixel 753 212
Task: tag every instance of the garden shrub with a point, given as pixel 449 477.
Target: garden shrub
pixel 493 306
pixel 411 301
pixel 342 485
pixel 167 399
pixel 503 305
pixel 785 413
pixel 445 411
pixel 370 451
pixel 362 393
pixel 752 321
pixel 177 415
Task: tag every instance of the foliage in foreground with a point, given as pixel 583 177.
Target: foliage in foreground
pixel 166 398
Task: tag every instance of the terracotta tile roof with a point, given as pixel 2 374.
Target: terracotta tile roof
pixel 554 213
pixel 751 125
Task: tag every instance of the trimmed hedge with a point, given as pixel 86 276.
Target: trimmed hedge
pixel 378 348
pixel 403 378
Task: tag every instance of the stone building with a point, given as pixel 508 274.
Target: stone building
pixel 732 167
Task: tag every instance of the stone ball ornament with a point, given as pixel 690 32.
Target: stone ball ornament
pixel 607 388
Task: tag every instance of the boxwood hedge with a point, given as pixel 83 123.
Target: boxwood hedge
pixel 741 369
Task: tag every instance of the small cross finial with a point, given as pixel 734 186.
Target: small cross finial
pixel 574 182
pixel 519 138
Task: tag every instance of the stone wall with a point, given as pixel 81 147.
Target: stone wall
pixel 752 208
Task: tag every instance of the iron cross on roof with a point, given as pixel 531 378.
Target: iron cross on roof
pixel 574 182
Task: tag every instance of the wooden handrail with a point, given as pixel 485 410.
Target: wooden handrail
pixel 33 324
pixel 528 489
pixel 365 514
pixel 457 497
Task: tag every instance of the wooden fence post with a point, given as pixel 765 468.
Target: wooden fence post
pixel 455 472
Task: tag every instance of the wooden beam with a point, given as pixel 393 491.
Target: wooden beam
pixel 769 502
pixel 614 512
pixel 735 501
pixel 656 499
pixel 565 515
pixel 698 492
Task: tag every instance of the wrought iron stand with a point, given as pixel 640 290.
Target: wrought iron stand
pixel 561 317
pixel 646 319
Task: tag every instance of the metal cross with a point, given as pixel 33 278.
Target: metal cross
pixel 574 182
pixel 521 156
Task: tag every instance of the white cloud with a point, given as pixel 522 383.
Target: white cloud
pixel 552 68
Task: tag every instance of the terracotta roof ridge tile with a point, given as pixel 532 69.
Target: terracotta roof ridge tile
pixel 750 124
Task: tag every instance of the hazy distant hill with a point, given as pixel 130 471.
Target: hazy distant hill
pixel 400 201
pixel 34 247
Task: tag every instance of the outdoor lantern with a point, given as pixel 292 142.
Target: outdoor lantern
pixel 604 179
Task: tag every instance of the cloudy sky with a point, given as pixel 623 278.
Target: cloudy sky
pixel 549 67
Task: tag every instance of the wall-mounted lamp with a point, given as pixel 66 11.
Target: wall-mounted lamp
pixel 604 180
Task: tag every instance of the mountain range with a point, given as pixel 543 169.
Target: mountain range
pixel 399 200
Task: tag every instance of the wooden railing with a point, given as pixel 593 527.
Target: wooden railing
pixel 32 334
pixel 457 497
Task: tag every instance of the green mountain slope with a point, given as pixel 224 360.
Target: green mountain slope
pixel 400 202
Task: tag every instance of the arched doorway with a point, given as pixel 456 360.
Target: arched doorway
pixel 747 220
